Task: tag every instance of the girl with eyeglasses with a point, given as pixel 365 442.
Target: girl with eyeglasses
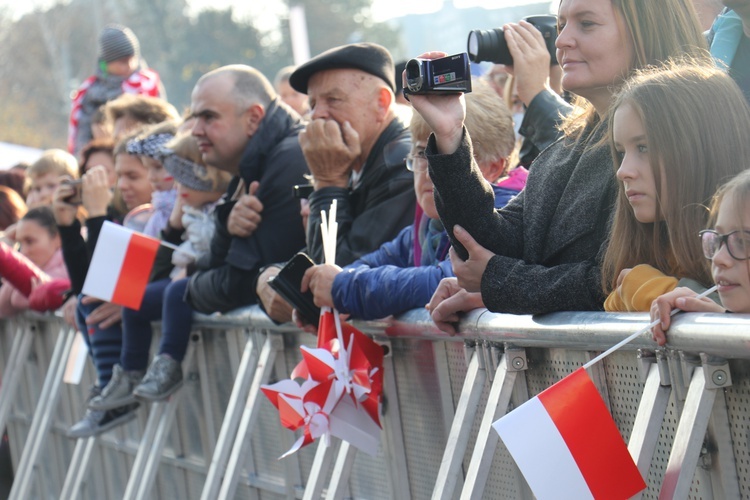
pixel 727 246
pixel 677 133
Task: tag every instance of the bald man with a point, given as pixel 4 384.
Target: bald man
pixel 243 127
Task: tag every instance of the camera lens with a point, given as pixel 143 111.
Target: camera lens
pixel 414 75
pixel 488 45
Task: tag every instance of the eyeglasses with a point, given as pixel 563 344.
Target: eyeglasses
pixel 416 162
pixel 737 242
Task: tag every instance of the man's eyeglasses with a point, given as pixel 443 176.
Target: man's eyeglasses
pixel 737 242
pixel 416 162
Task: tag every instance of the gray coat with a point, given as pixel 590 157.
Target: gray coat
pixel 548 240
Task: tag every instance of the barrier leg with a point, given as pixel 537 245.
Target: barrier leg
pixel 513 361
pixel 206 388
pixel 319 471
pixel 148 458
pixel 78 467
pixel 43 415
pixel 393 434
pixel 292 473
pixel 341 470
pixel 274 343
pixel 691 430
pixel 11 380
pixel 723 465
pixel 650 415
pixel 458 438
pixel 231 421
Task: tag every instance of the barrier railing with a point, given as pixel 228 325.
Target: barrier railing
pixel 684 410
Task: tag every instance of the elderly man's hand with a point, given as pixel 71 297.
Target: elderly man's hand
pixel 245 215
pixel 276 308
pixel 319 280
pixel 330 151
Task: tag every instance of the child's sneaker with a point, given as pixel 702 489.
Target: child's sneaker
pixel 163 378
pixel 119 390
pixel 96 422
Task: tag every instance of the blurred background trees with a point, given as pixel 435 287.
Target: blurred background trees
pixel 46 54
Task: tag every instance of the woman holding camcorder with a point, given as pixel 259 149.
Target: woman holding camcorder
pixel 539 253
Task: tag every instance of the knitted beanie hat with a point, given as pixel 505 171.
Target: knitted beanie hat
pixel 116 42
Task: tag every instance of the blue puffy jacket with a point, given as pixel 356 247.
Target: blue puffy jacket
pixel 386 281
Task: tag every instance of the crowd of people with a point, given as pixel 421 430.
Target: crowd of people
pixel 613 179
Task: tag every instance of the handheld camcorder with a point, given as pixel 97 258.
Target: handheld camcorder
pixel 447 75
pixel 490 45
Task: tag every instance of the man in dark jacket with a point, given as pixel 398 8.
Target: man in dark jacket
pixel 355 147
pixel 242 127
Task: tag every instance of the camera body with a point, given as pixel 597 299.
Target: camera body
pixel 75 198
pixel 490 45
pixel 447 75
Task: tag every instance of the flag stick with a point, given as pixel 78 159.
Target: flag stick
pixel 641 332
pixel 176 248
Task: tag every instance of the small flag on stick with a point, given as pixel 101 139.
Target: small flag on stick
pixel 121 266
pixel 566 444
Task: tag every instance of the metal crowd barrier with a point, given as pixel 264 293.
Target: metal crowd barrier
pixel 683 410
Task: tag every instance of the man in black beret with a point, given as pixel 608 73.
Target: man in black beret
pixel 355 147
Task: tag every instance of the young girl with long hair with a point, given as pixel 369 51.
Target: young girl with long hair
pixel 678 133
pixel 727 246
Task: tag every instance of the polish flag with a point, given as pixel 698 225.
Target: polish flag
pixel 566 444
pixel 121 266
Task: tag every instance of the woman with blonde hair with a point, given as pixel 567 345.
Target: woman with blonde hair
pixel 541 252
pixel 677 133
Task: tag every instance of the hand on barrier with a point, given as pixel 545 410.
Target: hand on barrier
pixel 319 280
pixel 275 307
pixel 448 301
pixel 679 298
pixel 469 272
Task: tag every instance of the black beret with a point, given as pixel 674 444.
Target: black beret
pixel 368 57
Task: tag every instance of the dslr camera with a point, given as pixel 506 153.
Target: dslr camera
pixel 447 75
pixel 490 45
